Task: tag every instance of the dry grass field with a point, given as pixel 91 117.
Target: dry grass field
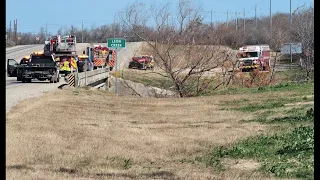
pixel 96 135
pixel 183 55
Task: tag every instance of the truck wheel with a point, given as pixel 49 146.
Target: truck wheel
pixel 55 80
pixel 28 80
pixel 18 78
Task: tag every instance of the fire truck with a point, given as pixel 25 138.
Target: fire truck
pixel 62 48
pixel 253 57
pixel 102 57
pixel 100 54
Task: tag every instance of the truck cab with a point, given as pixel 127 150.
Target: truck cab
pixel 12 65
pixel 253 57
pixel 24 60
pixel 40 66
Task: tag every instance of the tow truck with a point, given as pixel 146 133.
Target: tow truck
pixel 62 48
pixel 41 66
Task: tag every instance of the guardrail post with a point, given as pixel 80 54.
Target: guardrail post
pixel 107 84
pixel 76 80
pixel 85 79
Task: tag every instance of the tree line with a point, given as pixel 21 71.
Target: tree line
pixel 235 34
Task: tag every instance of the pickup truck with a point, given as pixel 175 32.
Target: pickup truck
pixel 40 66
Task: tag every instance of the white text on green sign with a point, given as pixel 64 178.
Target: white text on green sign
pixel 116 43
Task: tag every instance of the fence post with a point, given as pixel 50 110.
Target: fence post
pixel 107 79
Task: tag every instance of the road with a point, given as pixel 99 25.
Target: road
pixel 17 91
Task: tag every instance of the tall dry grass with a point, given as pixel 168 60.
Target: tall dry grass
pixel 99 135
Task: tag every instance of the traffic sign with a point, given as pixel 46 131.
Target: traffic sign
pixel 291 48
pixel 116 43
pixel 37 38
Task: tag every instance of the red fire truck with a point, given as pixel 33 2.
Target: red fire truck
pixel 253 57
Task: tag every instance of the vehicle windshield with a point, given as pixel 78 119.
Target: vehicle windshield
pixel 66 40
pixel 248 54
pixel 41 59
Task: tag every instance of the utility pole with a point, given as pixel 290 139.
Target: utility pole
pixel 211 18
pixel 227 19
pixel 290 14
pixel 236 21
pixel 10 32
pixel 46 29
pixel 244 21
pixel 270 18
pixel 82 33
pixel 255 16
pixel 15 30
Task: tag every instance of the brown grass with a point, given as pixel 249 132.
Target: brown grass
pixel 179 52
pixel 98 135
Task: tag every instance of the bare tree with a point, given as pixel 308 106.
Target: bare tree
pixel 303 31
pixel 177 54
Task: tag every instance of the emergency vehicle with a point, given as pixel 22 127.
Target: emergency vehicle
pixel 253 57
pixel 62 48
pixel 40 66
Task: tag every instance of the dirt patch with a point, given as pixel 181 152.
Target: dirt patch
pixel 300 103
pixel 241 164
pixel 93 134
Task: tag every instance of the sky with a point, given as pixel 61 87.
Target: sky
pixel 34 14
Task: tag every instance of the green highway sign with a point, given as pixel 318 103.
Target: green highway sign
pixel 116 43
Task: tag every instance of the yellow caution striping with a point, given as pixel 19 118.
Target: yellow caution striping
pixel 71 80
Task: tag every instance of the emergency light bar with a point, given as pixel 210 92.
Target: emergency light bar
pixel 39 52
pixel 83 56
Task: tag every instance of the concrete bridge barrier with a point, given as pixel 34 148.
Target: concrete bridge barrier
pixel 91 78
